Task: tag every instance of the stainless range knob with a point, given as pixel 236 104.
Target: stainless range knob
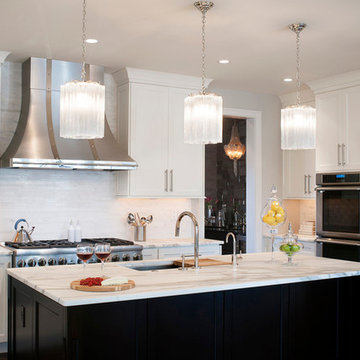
pixel 21 263
pixel 31 262
pixel 126 257
pixel 42 262
pixel 52 261
pixel 115 258
pixel 137 257
pixel 62 261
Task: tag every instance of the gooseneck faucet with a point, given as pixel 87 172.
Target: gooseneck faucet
pixel 196 234
pixel 234 247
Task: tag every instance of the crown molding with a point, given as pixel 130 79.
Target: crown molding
pixel 3 56
pixel 133 75
pixel 336 82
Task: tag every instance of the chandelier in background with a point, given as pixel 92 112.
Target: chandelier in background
pixel 235 149
pixel 82 103
pixel 298 122
pixel 203 112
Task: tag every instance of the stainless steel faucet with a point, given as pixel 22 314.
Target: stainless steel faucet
pixel 196 234
pixel 234 262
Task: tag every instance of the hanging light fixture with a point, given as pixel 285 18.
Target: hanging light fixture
pixel 82 103
pixel 203 112
pixel 235 149
pixel 298 123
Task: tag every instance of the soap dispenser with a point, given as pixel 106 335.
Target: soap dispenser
pixel 78 232
pixel 71 232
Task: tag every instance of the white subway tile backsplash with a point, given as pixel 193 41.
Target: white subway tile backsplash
pixel 49 199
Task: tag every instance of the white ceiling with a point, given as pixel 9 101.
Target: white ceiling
pixel 164 35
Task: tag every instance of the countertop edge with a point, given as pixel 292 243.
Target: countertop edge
pixel 187 291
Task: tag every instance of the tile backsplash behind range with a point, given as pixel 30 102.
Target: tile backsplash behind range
pixel 48 199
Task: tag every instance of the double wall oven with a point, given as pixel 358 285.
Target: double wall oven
pixel 338 215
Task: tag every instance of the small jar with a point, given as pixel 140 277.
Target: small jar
pixel 289 245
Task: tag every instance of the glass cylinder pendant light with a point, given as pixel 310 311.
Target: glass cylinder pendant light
pixel 82 103
pixel 203 112
pixel 235 149
pixel 298 122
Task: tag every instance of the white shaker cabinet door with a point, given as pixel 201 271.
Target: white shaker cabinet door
pixel 351 151
pixel 330 130
pixel 299 174
pixel 186 161
pixel 149 140
pixel 309 171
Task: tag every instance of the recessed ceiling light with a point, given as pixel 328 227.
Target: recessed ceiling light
pixel 287 80
pixel 91 41
pixel 223 61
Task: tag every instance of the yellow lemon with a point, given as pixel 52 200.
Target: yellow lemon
pixel 275 205
pixel 280 210
pixel 271 213
pixel 270 220
pixel 279 218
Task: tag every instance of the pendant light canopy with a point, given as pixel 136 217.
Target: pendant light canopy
pixel 235 149
pixel 82 103
pixel 203 112
pixel 298 123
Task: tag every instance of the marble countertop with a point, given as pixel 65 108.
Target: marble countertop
pixel 4 251
pixel 155 243
pixel 308 238
pixel 254 270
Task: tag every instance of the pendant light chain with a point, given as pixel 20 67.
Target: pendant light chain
pixel 83 71
pixel 203 52
pixel 298 66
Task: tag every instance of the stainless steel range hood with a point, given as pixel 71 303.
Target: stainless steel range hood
pixel 37 143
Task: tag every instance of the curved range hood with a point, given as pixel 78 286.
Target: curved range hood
pixel 37 143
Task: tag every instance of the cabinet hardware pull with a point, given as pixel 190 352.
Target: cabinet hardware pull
pixel 166 180
pixel 309 177
pixel 305 178
pixel 343 153
pixel 339 162
pixel 171 180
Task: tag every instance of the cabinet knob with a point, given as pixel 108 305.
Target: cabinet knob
pixel 42 262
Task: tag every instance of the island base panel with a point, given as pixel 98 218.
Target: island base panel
pixel 313 320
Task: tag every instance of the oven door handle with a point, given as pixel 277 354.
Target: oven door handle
pixel 333 188
pixel 340 242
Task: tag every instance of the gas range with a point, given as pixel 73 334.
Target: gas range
pixel 63 252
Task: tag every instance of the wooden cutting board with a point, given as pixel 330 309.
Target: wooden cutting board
pixel 76 286
pixel 202 262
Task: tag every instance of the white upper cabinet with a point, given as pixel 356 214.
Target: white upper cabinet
pixel 299 174
pixel 338 125
pixel 151 118
pixel 330 129
pixel 351 155
pixel 186 161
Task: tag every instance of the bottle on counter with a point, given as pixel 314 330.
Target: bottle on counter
pixel 71 232
pixel 78 232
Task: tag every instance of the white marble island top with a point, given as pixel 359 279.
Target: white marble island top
pixel 254 270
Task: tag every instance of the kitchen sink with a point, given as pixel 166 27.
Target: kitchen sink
pixel 152 266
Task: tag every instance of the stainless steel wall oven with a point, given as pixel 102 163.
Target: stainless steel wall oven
pixel 338 215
